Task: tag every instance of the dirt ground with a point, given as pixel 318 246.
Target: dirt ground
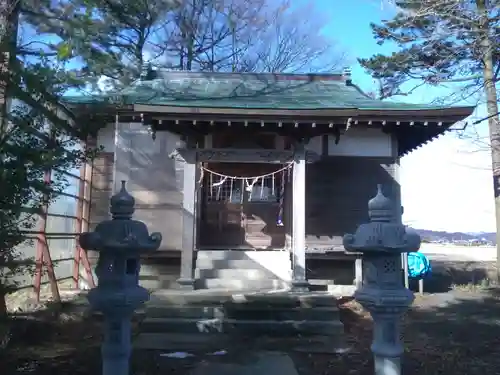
pixel 457 332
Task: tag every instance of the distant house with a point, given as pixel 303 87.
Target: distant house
pixel 251 178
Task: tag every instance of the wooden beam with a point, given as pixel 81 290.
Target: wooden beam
pixel 228 155
pixel 43 257
pixel 310 114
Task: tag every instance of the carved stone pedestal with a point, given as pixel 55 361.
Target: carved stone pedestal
pixel 382 241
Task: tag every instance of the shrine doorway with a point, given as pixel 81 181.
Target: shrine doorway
pixel 242 206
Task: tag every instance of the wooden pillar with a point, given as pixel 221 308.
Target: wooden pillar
pixel 358 271
pixel 299 280
pixel 191 175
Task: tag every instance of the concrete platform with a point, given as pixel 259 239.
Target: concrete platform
pixel 208 297
pixel 262 363
pixel 248 327
pixel 218 313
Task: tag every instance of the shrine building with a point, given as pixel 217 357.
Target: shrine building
pixel 252 179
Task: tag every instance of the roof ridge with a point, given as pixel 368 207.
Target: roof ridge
pixel 163 73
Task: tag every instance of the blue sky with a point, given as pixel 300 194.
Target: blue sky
pixel 446 185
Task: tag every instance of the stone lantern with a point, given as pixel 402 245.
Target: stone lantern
pixel 382 241
pixel 120 242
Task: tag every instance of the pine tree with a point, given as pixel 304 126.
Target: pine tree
pixel 37 134
pixel 443 41
pixel 108 39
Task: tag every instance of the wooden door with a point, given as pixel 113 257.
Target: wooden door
pixel 241 213
pixel 261 208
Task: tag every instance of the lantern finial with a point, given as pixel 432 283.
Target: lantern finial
pixel 122 204
pixel 380 208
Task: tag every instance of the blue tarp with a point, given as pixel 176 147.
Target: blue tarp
pixel 419 266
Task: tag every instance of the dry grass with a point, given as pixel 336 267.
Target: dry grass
pixel 461 338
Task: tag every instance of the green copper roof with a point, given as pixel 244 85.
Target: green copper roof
pixel 245 90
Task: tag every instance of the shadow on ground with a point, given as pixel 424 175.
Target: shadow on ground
pixel 457 332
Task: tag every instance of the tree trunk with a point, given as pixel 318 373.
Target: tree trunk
pixel 492 110
pixel 9 12
pixel 9 19
pixel 190 55
pixel 5 28
pixel 182 52
pixel 193 29
pixel 3 305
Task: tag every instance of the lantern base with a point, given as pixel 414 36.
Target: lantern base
pixel 387 365
pixel 115 365
pixel 300 285
pixel 186 284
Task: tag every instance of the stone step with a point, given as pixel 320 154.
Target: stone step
pixel 221 255
pixel 289 299
pixel 153 284
pixel 189 312
pixel 248 327
pixel 327 314
pixel 244 312
pixel 217 297
pixel 240 285
pixel 207 263
pixel 208 343
pixel 285 328
pixel 201 298
pixel 177 342
pixel 255 256
pixel 233 274
pixel 182 325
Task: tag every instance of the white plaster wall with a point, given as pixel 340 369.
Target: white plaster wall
pixel 153 178
pixel 361 142
pixel 106 138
